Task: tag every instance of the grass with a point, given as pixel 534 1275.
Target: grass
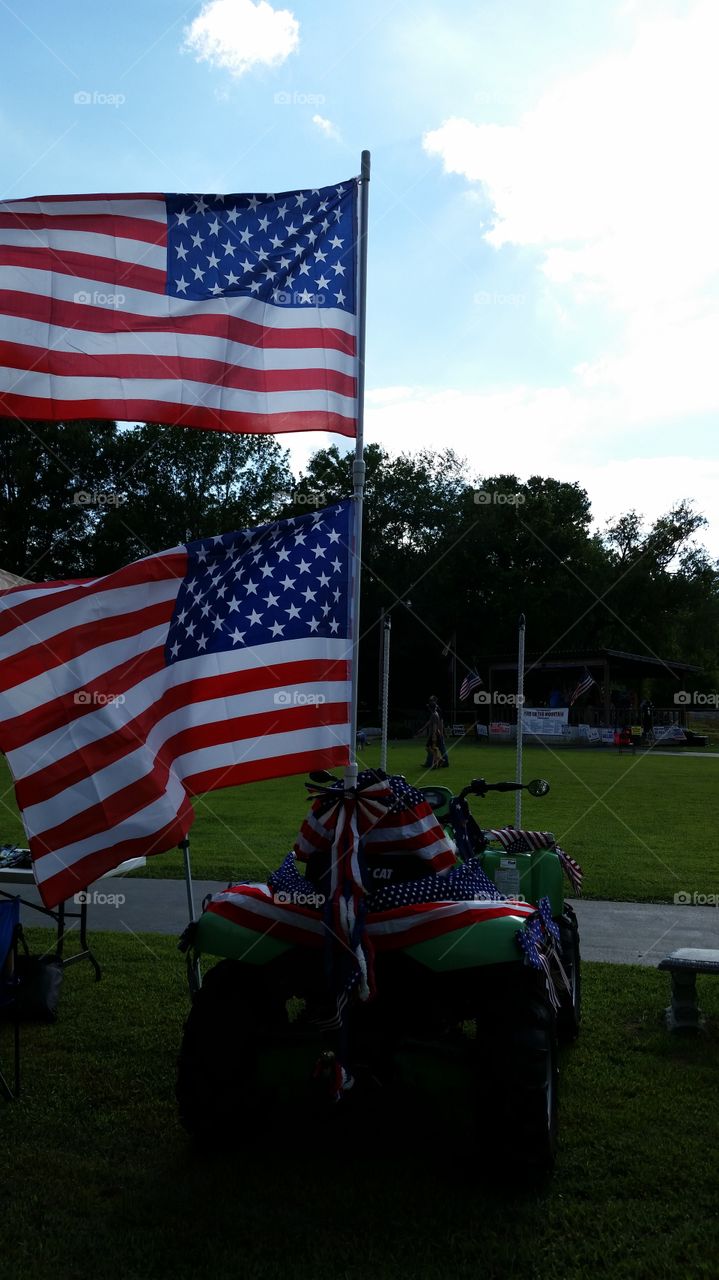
pixel 98 1179
pixel 643 827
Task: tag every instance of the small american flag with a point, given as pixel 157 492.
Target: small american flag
pixel 232 312
pixel 220 662
pixel 583 686
pixel 471 681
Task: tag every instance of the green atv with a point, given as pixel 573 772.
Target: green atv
pixel 475 975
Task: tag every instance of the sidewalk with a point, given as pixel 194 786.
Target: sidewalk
pixel 618 932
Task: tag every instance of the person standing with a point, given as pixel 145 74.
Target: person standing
pixel 434 728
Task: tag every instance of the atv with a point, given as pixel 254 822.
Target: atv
pixel 458 954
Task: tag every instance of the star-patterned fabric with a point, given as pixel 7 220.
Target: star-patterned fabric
pixel 293 249
pixel 287 581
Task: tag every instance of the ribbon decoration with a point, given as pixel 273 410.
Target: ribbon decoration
pixel 349 815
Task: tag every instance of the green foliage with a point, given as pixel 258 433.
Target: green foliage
pixel 459 556
pixel 177 485
pixel 46 468
pixel 81 498
pixel 471 553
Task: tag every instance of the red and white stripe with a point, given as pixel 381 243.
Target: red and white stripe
pixel 411 832
pixel 106 743
pixel 253 906
pixel 232 363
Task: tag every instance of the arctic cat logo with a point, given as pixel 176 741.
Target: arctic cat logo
pixel 382 873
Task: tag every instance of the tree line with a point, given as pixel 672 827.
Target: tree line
pixel 458 556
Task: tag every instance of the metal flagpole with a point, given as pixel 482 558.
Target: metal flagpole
pixel 520 721
pixel 185 846
pixel 194 970
pixel 358 467
pixel 454 676
pixel 386 635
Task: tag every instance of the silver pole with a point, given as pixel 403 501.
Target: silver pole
pixel 194 970
pixel 358 467
pixel 386 634
pixel 185 846
pixel 520 721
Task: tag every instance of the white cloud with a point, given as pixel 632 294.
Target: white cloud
pixel 611 175
pixel 241 34
pixel 565 432
pixel 326 127
pixel 610 180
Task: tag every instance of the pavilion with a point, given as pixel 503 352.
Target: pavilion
pixel 621 679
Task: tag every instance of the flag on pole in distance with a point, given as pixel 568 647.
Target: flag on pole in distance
pixel 585 683
pixel 232 312
pixel 223 661
pixel 471 681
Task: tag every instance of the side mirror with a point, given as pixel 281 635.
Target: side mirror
pixel 538 787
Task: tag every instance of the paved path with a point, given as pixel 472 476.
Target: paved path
pixel 695 755
pixel 619 932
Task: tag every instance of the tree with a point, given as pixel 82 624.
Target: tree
pixel 52 477
pixel 82 498
pixel 174 485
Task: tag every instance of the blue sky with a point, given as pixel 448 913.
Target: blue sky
pixel 544 200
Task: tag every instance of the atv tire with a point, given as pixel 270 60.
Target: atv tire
pixel 517 1060
pixel 219 1096
pixel 569 1015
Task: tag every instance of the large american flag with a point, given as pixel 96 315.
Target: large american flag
pixel 223 661
pixel 232 312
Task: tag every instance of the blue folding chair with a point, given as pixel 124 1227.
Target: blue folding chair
pixel 9 935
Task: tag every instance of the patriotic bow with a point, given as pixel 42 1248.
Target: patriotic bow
pixel 349 816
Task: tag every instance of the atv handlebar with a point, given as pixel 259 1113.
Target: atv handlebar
pixel 478 787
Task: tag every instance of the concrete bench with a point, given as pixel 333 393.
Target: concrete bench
pixel 683 1013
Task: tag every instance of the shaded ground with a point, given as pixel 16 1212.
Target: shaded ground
pixel 99 1181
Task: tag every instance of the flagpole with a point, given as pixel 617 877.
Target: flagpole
pixel 520 721
pixel 358 466
pixel 454 676
pixel 185 847
pixel 194 971
pixel 386 636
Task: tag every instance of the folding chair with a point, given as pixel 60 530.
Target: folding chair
pixel 9 934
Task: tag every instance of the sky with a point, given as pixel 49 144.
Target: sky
pixel 544 203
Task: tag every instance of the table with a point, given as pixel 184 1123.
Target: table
pixel 25 875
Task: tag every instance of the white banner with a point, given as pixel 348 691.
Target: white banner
pixel 549 721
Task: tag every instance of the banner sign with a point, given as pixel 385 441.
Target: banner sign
pixel 549 721
pixel 498 729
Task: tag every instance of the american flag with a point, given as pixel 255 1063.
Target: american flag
pixel 233 312
pixel 471 681
pixel 585 683
pixel 223 661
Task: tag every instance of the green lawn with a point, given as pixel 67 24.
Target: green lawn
pixel 643 827
pixel 98 1180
